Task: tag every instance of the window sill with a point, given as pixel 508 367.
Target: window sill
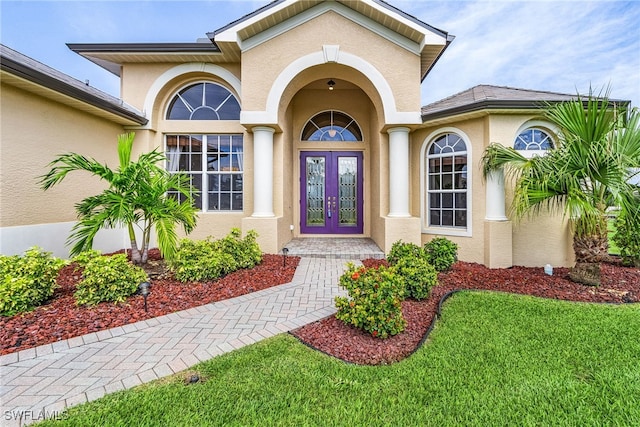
pixel 448 231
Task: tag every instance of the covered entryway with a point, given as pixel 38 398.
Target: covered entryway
pixel 331 192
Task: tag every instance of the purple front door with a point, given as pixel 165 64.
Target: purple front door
pixel 331 192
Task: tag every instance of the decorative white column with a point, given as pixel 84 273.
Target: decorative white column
pixel 399 172
pixel 263 172
pixel 495 209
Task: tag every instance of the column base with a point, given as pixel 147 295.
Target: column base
pixel 498 245
pixel 267 229
pixel 406 229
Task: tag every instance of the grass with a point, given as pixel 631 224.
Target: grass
pixel 493 359
pixel 611 228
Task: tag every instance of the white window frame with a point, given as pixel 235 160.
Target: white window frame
pixel 203 172
pixel 551 130
pixel 424 186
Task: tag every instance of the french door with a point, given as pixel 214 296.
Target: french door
pixel 331 192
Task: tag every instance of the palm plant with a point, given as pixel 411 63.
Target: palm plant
pixel 586 175
pixel 136 198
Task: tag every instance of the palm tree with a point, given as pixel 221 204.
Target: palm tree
pixel 586 175
pixel 136 198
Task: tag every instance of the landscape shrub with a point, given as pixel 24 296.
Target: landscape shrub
pixel 27 281
pixel 246 252
pixel 627 237
pixel 198 260
pixel 442 253
pixel 106 278
pixel 374 301
pixel 419 276
pixel 211 259
pixel 402 249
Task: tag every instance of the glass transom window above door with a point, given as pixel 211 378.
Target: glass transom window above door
pixel 331 199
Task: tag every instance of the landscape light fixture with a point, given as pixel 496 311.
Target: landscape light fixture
pixel 331 84
pixel 285 251
pixel 144 289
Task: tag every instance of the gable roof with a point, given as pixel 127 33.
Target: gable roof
pixel 487 97
pixel 377 15
pixel 26 73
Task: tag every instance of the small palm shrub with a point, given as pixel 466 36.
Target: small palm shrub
pixel 106 278
pixel 627 236
pixel 209 259
pixel 442 253
pixel 374 301
pixel 27 281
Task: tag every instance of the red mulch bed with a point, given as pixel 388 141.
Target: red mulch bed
pixel 61 318
pixel 331 336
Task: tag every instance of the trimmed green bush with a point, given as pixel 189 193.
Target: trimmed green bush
pixel 402 249
pixel 442 253
pixel 209 259
pixel 627 237
pixel 419 276
pixel 374 301
pixel 246 252
pixel 27 281
pixel 106 278
pixel 198 260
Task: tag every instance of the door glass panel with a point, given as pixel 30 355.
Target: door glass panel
pixel 348 190
pixel 315 191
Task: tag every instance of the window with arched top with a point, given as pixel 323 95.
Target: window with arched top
pixel 331 126
pixel 204 101
pixel 533 139
pixel 447 182
pixel 212 158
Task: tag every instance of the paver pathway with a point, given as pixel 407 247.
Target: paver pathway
pixel 43 381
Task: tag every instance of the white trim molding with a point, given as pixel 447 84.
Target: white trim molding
pixel 179 70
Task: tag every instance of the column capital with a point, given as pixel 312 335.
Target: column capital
pixel 263 129
pixel 402 129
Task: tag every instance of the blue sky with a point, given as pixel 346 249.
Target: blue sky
pixel 562 46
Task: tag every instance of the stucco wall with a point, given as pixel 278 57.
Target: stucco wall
pixel 34 131
pixel 261 66
pixel 535 241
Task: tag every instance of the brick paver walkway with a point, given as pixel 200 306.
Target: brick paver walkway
pixel 43 381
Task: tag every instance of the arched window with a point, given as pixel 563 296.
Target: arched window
pixel 204 101
pixel 331 126
pixel 212 159
pixel 446 182
pixel 533 139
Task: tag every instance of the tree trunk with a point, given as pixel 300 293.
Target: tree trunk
pixel 591 249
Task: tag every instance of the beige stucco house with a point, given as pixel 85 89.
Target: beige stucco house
pixel 300 119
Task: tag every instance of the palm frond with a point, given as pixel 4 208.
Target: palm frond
pixel 66 163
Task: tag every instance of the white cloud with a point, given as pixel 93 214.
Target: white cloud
pixel 559 46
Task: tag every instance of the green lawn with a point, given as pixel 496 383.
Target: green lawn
pixel 493 359
pixel 611 228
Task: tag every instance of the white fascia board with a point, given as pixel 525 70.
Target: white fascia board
pixel 430 37
pixel 342 10
pixel 230 35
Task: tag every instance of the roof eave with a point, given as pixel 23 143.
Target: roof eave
pixel 27 73
pixel 89 50
pixel 494 104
